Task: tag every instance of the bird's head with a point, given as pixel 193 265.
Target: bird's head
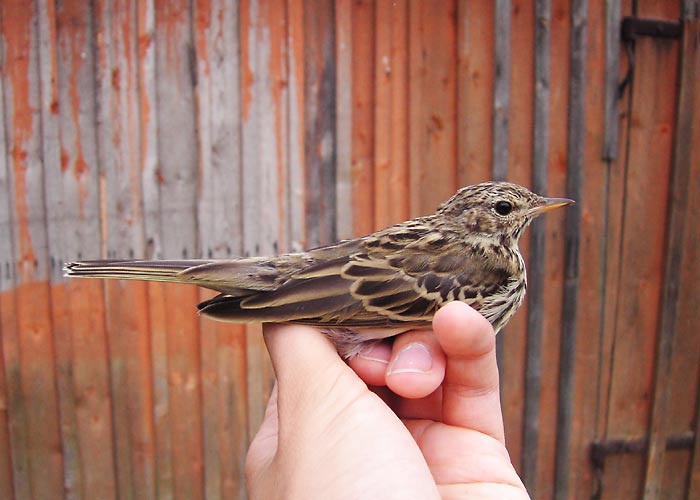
pixel 499 210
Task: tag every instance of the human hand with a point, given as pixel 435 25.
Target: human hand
pixel 438 432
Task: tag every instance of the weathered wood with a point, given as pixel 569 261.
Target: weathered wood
pixel 13 459
pixel 224 418
pixel 612 79
pixel 178 187
pixel 501 89
pixel 611 241
pixel 687 116
pixel 590 301
pixel 31 364
pixel 72 193
pixel 344 118
pixel 264 117
pixel 319 116
pixel 574 190
pixel 120 145
pixel 432 106
pixel 296 190
pixel 362 51
pixel 689 304
pixel 475 67
pixel 536 270
pixel 642 254
pixel 391 180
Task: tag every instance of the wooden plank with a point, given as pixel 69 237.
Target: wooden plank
pixel 541 13
pixel 264 112
pixel 362 68
pixel 433 109
pixel 590 302
pixel 295 192
pixel 13 456
pixel 391 180
pixel 179 182
pixel 6 482
pixel 31 363
pixel 344 117
pixel 611 237
pixel 513 340
pixel 319 109
pixel 680 175
pixel 163 439
pixel 572 240
pixel 651 132
pixel 74 232
pixel 224 422
pixel 501 89
pixel 475 69
pixel 689 304
pixel 122 143
pixel 612 80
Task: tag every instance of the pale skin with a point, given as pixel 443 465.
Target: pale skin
pixel 428 426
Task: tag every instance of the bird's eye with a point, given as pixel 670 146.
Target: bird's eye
pixel 503 207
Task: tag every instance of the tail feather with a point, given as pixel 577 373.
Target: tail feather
pixel 149 270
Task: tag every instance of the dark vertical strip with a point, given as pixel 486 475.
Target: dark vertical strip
pixel 501 90
pixel 320 110
pixel 536 278
pixel 612 78
pixel 501 95
pixel 572 234
pixel 678 207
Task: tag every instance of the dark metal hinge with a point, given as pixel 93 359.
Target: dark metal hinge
pixel 633 27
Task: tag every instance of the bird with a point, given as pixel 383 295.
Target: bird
pixel 362 290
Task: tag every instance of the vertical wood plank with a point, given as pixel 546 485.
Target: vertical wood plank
pixel 119 145
pixel 362 68
pixel 613 16
pixel 590 300
pixel 536 267
pixel 12 460
pixel 224 396
pixel 513 339
pixel 344 117
pixel 475 73
pixel 501 89
pixel 689 304
pixel 611 241
pixel 264 119
pixel 72 193
pixel 650 136
pixel 296 189
pixel 319 116
pixel 432 104
pixel 576 135
pixel 687 117
pixel 391 113
pixel 31 356
pixel 177 154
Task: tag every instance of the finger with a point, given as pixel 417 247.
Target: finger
pixel 371 364
pixel 470 390
pixel 299 353
pixel 264 445
pixel 417 365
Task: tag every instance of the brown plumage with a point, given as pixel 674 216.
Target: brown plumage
pixel 376 286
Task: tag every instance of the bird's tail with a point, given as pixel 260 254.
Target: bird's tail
pixel 147 270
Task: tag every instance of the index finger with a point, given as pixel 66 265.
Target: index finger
pixel 470 397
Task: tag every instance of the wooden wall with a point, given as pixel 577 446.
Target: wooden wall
pixel 213 128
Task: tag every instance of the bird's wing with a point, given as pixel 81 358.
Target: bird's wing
pixel 381 284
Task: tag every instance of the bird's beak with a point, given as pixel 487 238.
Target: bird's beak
pixel 550 204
